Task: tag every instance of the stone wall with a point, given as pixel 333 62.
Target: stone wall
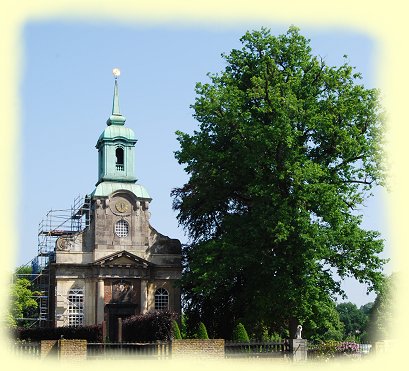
pixel 48 348
pixel 64 349
pixel 73 349
pixel 198 348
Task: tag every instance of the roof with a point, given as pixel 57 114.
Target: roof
pixel 104 189
pixel 123 258
pixel 115 131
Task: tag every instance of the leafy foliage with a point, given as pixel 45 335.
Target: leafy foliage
pixel 353 319
pixel 287 149
pixel 22 298
pixel 329 349
pixel 240 333
pixel 381 313
pixel 148 327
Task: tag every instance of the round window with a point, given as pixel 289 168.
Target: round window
pixel 121 228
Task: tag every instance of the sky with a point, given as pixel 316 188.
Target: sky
pixel 66 97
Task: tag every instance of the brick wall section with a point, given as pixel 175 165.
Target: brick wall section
pixel 198 348
pixel 48 348
pixel 73 349
pixel 107 291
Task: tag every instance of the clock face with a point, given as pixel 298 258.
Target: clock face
pixel 122 206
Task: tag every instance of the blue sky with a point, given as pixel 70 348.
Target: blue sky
pixel 66 92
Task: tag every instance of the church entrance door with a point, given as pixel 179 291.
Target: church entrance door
pixel 116 311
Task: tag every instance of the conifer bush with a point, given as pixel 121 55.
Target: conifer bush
pixel 240 333
pixel 175 330
pixel 201 332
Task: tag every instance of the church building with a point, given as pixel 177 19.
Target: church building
pixel 119 265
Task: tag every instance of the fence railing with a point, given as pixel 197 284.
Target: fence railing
pixel 160 350
pixel 31 349
pixel 163 350
pixel 256 349
pixel 333 349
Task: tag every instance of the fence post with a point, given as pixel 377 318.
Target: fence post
pixel 298 349
pixel 104 331
pixel 119 330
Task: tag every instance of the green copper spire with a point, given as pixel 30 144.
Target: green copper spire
pixel 116 147
pixel 116 118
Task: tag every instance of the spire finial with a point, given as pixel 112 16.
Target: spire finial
pixel 116 118
pixel 116 72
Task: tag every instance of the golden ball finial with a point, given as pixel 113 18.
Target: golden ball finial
pixel 116 72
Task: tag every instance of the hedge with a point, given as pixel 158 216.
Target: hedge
pixel 148 327
pixel 89 333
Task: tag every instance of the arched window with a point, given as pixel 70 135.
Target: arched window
pixel 76 307
pixel 161 299
pixel 119 153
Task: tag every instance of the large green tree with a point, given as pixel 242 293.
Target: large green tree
pixel 382 312
pixel 286 151
pixel 22 298
pixel 353 318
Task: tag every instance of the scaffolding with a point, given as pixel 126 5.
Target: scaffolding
pixel 56 223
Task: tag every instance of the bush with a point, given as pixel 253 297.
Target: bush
pixel 275 337
pixel 89 333
pixel 148 327
pixel 175 330
pixel 347 347
pixel 331 348
pixel 183 326
pixel 201 332
pixel 240 333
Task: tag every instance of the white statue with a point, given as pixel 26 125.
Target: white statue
pixel 298 333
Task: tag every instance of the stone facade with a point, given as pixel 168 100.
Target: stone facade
pixel 119 265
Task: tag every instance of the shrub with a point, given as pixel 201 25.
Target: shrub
pixel 331 348
pixel 347 347
pixel 275 337
pixel 175 330
pixel 89 333
pixel 323 350
pixel 240 333
pixel 201 332
pixel 183 326
pixel 148 327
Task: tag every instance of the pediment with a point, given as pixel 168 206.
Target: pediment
pixel 123 258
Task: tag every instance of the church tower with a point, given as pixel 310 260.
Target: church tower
pixel 116 146
pixel 119 265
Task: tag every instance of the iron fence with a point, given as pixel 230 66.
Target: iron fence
pixel 256 349
pixel 157 350
pixel 336 349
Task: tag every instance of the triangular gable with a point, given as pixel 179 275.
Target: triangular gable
pixel 123 258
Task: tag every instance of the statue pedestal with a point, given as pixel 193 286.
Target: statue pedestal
pixel 298 349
